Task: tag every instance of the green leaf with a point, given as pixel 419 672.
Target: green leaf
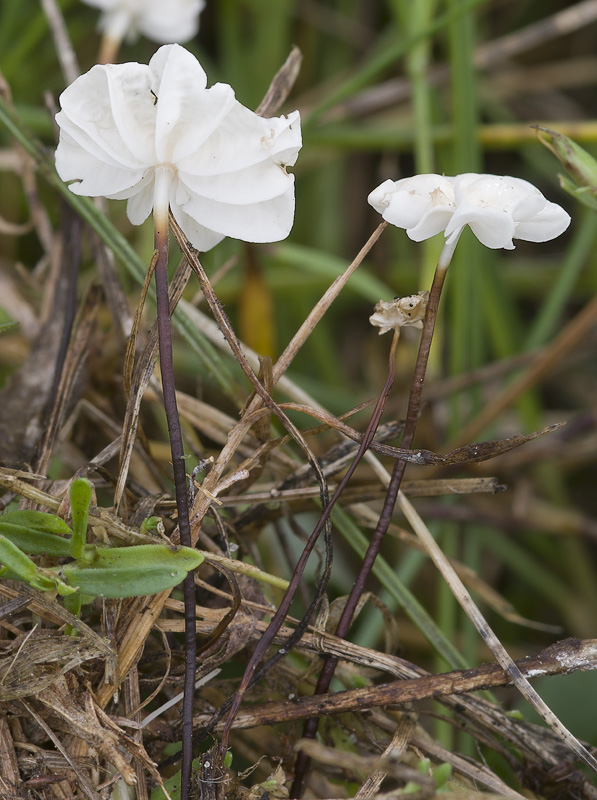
pixel 37 520
pixel 442 774
pixel 410 788
pixel 424 766
pixel 143 556
pixel 17 562
pixel 36 532
pixel 36 543
pixel 18 566
pixel 132 571
pixel 151 524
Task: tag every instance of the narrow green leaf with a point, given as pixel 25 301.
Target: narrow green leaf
pixel 36 543
pixel 329 267
pixel 16 561
pixel 143 556
pixel 37 521
pixel 36 532
pixel 583 194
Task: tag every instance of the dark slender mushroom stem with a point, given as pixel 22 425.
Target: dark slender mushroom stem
pixel 180 488
pixel 414 405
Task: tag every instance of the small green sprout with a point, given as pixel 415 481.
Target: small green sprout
pixel 440 774
pixel 152 525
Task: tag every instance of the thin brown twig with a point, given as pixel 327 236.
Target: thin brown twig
pixel 563 657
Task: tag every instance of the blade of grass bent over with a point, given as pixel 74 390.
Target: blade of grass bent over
pixel 504 660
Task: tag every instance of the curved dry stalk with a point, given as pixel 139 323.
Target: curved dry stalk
pixel 202 503
pixel 317 312
pixel 476 617
pixel 234 344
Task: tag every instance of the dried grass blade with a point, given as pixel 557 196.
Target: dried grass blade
pixel 139 625
pixel 508 665
pixel 76 355
pixel 394 751
pixel 281 84
pixel 86 787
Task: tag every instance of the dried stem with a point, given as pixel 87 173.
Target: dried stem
pixel 109 47
pixel 414 406
pixel 560 658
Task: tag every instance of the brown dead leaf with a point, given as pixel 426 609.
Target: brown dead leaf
pixel 73 709
pixel 468 454
pixel 34 661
